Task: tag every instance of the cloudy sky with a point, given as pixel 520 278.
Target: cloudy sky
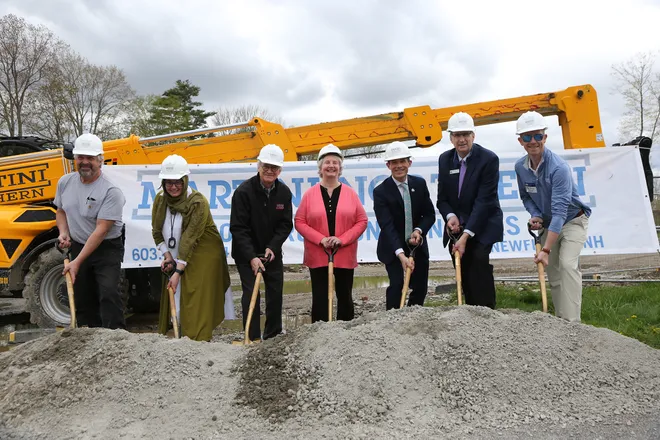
pixel 317 61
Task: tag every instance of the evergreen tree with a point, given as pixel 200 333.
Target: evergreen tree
pixel 175 110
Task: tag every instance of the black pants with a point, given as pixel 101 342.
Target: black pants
pixel 97 294
pixel 274 280
pixel 477 274
pixel 343 289
pixel 419 281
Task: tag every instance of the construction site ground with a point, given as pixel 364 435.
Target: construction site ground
pixel 432 372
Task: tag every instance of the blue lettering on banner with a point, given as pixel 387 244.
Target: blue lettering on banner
pixel 296 190
pixel 579 171
pixel 437 229
pixel 372 232
pixel 360 180
pixel 225 234
pixel 145 254
pixel 216 197
pixel 594 242
pixel 514 229
pixel 504 190
pixel 148 195
pixel 507 246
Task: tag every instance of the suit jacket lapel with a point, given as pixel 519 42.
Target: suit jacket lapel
pixel 394 187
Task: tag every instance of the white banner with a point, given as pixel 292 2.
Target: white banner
pixel 609 180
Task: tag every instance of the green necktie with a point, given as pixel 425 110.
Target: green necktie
pixel 407 208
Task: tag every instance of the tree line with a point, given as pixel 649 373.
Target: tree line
pixel 49 90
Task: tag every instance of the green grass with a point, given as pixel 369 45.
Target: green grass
pixel 632 310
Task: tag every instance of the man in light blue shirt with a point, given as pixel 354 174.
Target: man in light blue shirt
pixel 550 196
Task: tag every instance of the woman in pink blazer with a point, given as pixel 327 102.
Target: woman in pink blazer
pixel 330 216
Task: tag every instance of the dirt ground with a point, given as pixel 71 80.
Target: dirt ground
pixel 455 372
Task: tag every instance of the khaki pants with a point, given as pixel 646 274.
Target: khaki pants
pixel 563 269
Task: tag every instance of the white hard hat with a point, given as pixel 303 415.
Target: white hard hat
pixel 173 167
pixel 530 121
pixel 460 122
pixel 396 150
pixel 88 145
pixel 272 155
pixel 330 149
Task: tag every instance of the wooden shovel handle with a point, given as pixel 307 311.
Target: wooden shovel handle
pixel 331 288
pixel 72 301
pixel 406 283
pixel 544 295
pixel 175 321
pixel 459 277
pixel 253 303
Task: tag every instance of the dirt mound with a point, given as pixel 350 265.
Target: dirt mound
pixel 462 372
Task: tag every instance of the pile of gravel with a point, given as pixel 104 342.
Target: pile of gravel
pixel 459 372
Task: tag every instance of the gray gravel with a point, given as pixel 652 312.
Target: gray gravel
pixel 455 372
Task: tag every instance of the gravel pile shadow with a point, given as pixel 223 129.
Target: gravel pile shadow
pixel 271 378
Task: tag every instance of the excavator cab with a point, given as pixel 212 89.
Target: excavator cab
pixel 15 145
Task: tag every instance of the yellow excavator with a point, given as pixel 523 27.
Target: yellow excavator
pixel 30 168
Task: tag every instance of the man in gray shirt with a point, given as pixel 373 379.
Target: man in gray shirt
pixel 89 220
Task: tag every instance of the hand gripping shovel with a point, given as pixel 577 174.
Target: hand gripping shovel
pixel 537 242
pixel 406 281
pixel 170 291
pixel 69 286
pixel 331 277
pixel 253 303
pixel 457 263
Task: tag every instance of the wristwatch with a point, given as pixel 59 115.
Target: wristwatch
pixel 546 250
pixel 179 271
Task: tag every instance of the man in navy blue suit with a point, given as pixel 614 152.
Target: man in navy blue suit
pixel 468 176
pixel 405 214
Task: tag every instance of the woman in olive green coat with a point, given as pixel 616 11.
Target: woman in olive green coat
pixel 184 231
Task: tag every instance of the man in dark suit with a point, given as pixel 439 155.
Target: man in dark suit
pixel 405 214
pixel 468 176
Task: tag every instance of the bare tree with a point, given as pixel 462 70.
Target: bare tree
pixel 640 88
pixel 81 97
pixel 366 152
pixel 26 51
pixel 49 116
pixel 243 113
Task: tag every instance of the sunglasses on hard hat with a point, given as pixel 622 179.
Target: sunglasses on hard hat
pixel 538 137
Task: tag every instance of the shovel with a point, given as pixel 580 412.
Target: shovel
pixel 406 281
pixel 175 321
pixel 331 277
pixel 537 242
pixel 253 303
pixel 69 286
pixel 457 263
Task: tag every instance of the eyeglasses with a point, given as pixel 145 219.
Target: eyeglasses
pixel 538 137
pixel 178 183
pixel 272 168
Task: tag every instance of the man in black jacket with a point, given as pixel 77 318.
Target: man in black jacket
pixel 468 177
pixel 405 214
pixel 261 220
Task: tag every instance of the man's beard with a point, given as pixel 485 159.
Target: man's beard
pixel 86 172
